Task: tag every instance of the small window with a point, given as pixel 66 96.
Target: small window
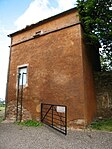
pixel 22 76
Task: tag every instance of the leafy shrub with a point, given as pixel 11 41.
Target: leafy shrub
pixel 102 125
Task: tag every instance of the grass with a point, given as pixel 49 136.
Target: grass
pixel 2 108
pixel 104 125
pixel 30 123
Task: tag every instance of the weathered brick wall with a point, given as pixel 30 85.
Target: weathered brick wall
pixel 55 70
pixel 88 80
pixel 103 83
pixel 89 92
pixel 11 111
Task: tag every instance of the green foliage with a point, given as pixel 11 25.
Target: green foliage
pixel 30 123
pixel 96 17
pixel 2 105
pixel 106 65
pixel 105 125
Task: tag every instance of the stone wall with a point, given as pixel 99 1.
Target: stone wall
pixel 103 83
pixel 11 112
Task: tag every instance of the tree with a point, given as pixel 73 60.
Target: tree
pixel 96 17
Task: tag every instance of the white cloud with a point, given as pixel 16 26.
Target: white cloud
pixel 64 5
pixel 4 58
pixel 41 9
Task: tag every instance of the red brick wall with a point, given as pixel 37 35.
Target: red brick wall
pixel 89 87
pixel 55 70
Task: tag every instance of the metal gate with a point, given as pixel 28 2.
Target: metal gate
pixel 55 116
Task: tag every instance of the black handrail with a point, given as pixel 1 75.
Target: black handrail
pixel 19 75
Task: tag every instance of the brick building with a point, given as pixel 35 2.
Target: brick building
pixel 58 69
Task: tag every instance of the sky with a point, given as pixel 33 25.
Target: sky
pixel 15 15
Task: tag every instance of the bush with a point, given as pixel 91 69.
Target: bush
pixel 102 125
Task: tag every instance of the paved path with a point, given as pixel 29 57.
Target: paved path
pixel 13 136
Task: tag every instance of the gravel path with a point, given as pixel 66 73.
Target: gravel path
pixel 13 136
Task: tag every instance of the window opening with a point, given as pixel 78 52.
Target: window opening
pixel 23 76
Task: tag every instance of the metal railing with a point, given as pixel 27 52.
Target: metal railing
pixel 19 104
pixel 55 116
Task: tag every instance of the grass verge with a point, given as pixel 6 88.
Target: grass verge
pixel 2 108
pixel 104 125
pixel 30 123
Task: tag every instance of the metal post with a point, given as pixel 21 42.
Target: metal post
pixel 65 120
pixel 52 115
pixel 21 97
pixel 41 111
pixel 17 96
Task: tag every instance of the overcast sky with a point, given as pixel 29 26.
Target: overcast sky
pixel 15 15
